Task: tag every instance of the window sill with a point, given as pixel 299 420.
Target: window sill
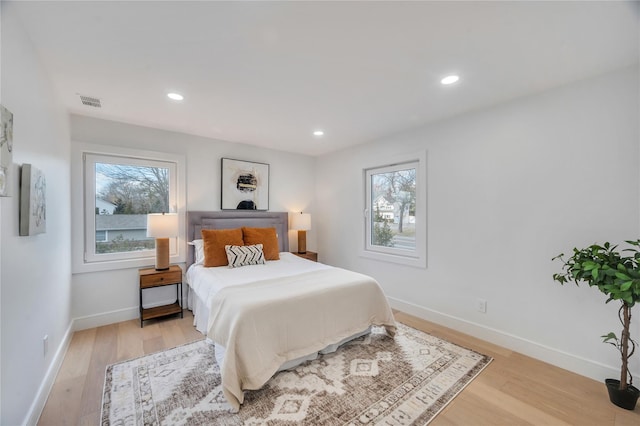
pixel 112 265
pixel 416 262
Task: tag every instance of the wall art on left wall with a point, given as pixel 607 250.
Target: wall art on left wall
pixel 33 202
pixel 6 150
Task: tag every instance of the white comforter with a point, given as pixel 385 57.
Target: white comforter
pixel 204 283
pixel 295 308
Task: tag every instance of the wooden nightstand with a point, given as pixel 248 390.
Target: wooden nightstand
pixel 150 278
pixel 309 255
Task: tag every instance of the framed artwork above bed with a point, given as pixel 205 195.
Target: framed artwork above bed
pixel 245 185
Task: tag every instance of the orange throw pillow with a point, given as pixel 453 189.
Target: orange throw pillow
pixel 214 242
pixel 265 236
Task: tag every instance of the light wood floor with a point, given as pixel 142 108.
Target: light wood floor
pixel 512 390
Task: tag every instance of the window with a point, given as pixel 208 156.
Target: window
pixel 395 217
pixel 119 189
pixel 101 236
pixel 125 190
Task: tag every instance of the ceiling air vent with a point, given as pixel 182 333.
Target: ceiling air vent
pixel 90 101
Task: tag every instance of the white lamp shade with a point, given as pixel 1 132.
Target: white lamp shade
pixel 162 225
pixel 301 222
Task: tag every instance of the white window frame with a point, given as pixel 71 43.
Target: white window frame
pixel 417 257
pixel 84 157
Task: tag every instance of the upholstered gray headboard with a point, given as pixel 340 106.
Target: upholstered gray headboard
pixel 199 220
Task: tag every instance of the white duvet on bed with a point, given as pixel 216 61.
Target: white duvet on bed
pixel 204 282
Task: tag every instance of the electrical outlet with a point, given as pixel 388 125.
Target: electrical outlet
pixel 481 305
pixel 45 344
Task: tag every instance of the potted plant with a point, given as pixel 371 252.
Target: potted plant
pixel 618 277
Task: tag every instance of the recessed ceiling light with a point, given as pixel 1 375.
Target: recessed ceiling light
pixel 450 79
pixel 318 133
pixel 175 96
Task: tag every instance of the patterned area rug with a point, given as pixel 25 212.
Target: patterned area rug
pixel 373 380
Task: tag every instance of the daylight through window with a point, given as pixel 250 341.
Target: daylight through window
pixel 393 206
pixel 393 225
pixel 121 191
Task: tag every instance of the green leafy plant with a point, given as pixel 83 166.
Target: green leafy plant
pixel 382 233
pixel 618 277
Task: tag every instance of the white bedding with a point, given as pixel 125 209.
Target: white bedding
pixel 204 283
pixel 307 305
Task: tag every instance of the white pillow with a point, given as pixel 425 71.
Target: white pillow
pixel 198 251
pixel 244 255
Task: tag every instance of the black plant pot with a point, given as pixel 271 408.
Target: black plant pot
pixel 626 399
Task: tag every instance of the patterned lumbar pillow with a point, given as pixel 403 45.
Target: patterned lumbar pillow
pixel 244 255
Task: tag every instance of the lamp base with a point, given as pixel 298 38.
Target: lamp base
pixel 162 254
pixel 302 242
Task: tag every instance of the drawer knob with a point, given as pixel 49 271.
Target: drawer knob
pixel 161 278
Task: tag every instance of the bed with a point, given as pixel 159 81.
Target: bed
pixel 268 317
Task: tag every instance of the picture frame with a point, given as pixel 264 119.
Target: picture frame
pixel 6 150
pixel 244 185
pixel 33 202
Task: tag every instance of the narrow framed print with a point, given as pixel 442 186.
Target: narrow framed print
pixel 6 150
pixel 33 201
pixel 245 185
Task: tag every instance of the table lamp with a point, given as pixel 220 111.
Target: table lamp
pixel 162 226
pixel 302 223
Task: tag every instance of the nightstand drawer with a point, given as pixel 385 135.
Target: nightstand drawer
pixel 169 277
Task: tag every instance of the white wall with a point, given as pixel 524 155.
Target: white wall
pixel 35 271
pixel 105 297
pixel 508 188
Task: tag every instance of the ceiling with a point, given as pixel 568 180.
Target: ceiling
pixel 270 73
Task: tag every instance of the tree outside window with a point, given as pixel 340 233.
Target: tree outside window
pixel 393 204
pixel 133 191
pixel 119 192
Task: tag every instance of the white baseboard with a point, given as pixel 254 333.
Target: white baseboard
pixel 106 318
pixel 35 410
pixel 112 317
pixel 574 363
